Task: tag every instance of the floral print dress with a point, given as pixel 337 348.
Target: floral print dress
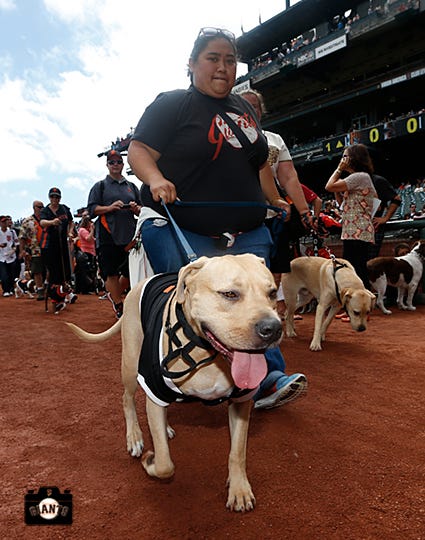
pixel 357 209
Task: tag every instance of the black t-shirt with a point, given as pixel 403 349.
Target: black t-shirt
pixel 121 223
pixel 385 192
pixel 202 157
pixel 53 237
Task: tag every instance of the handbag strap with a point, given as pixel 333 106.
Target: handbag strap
pixel 240 135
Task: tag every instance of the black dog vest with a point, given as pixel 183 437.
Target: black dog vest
pixel 154 297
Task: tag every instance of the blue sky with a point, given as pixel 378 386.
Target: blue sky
pixel 77 74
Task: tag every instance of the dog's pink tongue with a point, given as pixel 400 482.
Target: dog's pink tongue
pixel 248 370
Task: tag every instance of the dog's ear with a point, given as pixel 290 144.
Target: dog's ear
pixel 346 294
pixel 184 273
pixel 373 299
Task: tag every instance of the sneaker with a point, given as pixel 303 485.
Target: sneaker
pixel 59 306
pixel 116 307
pixel 7 294
pixel 290 387
pixel 104 297
pixel 40 294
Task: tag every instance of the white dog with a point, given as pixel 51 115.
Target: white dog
pixel 25 286
pixel 402 272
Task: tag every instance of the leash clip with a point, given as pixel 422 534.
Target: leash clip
pixel 230 239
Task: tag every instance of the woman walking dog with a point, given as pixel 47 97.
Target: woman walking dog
pixel 205 144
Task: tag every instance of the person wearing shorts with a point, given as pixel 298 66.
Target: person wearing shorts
pixel 115 201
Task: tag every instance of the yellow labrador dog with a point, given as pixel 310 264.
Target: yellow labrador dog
pixel 218 320
pixel 334 283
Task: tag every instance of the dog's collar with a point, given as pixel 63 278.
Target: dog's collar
pixel 183 350
pixel 337 265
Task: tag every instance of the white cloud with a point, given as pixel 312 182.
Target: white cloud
pixel 55 123
pixel 7 5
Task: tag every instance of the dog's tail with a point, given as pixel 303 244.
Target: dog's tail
pixel 95 338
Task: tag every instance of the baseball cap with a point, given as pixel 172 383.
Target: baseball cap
pixel 113 154
pixel 3 218
pixel 55 191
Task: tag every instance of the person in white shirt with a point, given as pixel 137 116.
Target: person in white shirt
pixel 8 243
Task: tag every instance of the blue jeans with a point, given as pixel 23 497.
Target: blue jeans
pixel 166 254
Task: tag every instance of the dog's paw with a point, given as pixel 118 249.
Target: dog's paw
pixel 315 346
pixel 135 444
pixel 170 432
pixel 166 470
pixel 241 498
pixel 405 307
pixel 290 333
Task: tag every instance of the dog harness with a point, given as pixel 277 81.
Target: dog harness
pixel 155 377
pixel 337 265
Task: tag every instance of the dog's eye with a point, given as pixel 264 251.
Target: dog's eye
pixel 231 295
pixel 273 294
pixel 356 313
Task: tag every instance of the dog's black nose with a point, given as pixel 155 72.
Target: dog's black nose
pixel 269 329
pixel 361 329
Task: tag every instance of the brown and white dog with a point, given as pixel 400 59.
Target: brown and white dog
pixel 402 272
pixel 335 284
pixel 219 318
pixel 25 286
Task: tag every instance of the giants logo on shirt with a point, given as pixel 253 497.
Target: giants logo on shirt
pixel 220 131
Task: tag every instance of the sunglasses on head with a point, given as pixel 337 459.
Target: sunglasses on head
pixel 211 31
pixel 54 197
pixel 115 162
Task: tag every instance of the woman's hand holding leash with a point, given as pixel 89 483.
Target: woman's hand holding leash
pixel 163 189
pixel 286 207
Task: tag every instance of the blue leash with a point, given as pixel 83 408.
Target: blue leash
pixel 190 253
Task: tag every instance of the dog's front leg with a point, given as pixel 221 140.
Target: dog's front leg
pixel 315 344
pixel 240 497
pixel 291 305
pixel 158 463
pixel 329 318
pixel 134 433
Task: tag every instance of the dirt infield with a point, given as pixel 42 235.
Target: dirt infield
pixel 345 462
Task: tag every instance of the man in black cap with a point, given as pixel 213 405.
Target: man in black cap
pixel 116 202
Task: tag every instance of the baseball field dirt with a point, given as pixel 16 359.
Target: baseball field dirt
pixel 344 462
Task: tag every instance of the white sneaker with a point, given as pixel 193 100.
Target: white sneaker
pixel 293 387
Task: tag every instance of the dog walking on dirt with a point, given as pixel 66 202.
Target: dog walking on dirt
pixel 199 337
pixel 402 272
pixel 335 284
